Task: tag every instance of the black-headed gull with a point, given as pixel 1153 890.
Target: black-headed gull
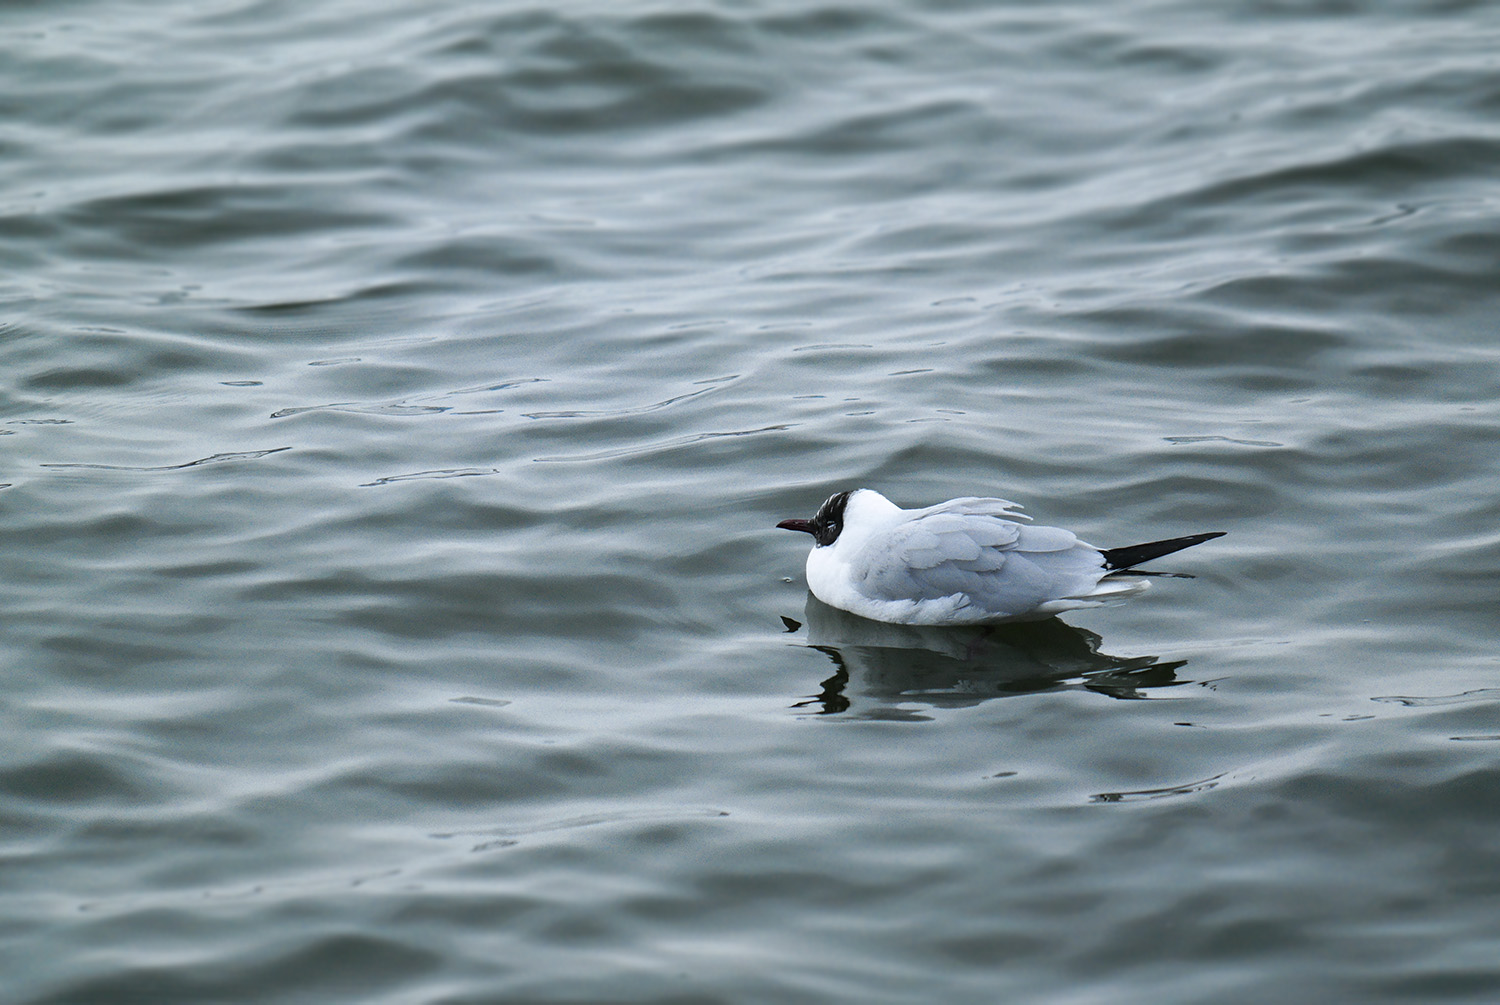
pixel 963 562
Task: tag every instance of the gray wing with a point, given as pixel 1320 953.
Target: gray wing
pixel 998 566
pixel 980 506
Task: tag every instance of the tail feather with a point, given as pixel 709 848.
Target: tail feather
pixel 1121 559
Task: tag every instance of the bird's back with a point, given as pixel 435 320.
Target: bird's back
pixel 968 561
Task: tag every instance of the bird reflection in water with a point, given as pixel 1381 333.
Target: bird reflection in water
pixel 958 667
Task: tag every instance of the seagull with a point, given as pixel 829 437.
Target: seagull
pixel 963 562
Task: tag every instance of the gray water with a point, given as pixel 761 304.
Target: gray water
pixel 397 401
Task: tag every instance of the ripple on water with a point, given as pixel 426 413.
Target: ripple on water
pixel 319 684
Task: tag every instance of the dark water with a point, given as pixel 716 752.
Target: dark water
pixel 396 402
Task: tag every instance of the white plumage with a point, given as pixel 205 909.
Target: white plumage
pixel 963 562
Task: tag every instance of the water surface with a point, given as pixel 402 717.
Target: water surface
pixel 396 405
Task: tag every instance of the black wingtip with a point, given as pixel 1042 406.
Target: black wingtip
pixel 1120 559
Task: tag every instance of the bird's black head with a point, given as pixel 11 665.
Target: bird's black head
pixel 826 524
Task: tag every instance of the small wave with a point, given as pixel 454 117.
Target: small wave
pixel 1465 697
pixel 386 408
pixel 240 455
pixel 1139 795
pixel 1222 439
pixel 412 405
pixel 589 820
pixel 671 444
pixel 612 412
pixel 440 473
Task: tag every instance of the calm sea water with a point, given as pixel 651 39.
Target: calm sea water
pixel 397 401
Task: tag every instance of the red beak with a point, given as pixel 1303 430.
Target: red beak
pixel 805 526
